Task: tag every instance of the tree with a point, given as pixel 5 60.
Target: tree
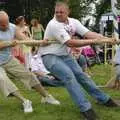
pixel 102 7
pixel 44 9
pixel 79 8
pixel 118 4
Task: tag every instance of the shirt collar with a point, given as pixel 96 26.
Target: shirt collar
pixel 35 56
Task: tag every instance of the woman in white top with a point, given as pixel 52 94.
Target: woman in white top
pixel 44 76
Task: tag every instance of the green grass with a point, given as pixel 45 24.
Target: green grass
pixel 11 109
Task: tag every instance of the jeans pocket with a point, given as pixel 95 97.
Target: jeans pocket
pixel 49 61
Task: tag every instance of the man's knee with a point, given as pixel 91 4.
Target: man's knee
pixel 78 72
pixel 68 77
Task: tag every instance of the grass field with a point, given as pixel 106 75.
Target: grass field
pixel 11 109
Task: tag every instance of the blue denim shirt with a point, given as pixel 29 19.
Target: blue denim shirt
pixel 8 35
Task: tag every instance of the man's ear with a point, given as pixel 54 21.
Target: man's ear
pixel 68 12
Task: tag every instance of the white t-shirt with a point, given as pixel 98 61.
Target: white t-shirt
pixel 37 64
pixel 61 32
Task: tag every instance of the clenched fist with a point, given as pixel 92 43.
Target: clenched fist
pixel 45 42
pixel 14 43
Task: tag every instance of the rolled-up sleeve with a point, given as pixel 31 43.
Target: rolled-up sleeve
pixel 80 29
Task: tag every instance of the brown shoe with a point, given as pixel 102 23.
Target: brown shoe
pixel 112 103
pixel 90 115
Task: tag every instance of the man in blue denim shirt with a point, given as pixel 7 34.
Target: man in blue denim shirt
pixel 58 61
pixel 9 66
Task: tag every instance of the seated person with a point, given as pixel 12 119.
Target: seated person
pixel 38 68
pixel 76 52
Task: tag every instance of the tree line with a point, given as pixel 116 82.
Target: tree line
pixel 44 9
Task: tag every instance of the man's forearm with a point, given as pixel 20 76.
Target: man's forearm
pixel 5 44
pixel 93 35
pixel 80 43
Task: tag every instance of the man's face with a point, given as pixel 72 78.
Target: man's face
pixel 4 23
pixel 61 13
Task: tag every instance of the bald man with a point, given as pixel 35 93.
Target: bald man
pixel 9 66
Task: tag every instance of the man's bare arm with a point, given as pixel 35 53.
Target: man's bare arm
pixel 7 44
pixel 93 35
pixel 90 38
pixel 12 43
pixel 84 42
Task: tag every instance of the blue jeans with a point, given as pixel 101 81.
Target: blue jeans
pixel 69 72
